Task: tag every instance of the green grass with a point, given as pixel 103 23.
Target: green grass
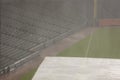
pixel 105 44
pixel 29 75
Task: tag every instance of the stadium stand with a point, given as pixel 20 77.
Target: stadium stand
pixel 28 28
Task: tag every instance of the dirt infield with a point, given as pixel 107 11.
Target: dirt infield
pixel 109 22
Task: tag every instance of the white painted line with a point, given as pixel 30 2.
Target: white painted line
pixel 89 44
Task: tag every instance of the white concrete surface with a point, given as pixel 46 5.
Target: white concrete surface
pixel 66 68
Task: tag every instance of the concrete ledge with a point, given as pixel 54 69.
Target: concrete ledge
pixel 66 68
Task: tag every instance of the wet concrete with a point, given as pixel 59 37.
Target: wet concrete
pixel 71 68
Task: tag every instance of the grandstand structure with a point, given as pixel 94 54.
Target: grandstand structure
pixel 29 27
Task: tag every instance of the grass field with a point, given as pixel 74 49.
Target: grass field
pixel 105 43
pixel 29 75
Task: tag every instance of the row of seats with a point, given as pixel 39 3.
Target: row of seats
pixel 34 18
pixel 4 61
pixel 16 42
pixel 13 53
pixel 33 13
pixel 46 17
pixel 22 34
pixel 28 27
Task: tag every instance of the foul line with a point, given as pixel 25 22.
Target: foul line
pixel 89 44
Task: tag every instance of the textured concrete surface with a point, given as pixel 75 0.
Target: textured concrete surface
pixel 61 68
